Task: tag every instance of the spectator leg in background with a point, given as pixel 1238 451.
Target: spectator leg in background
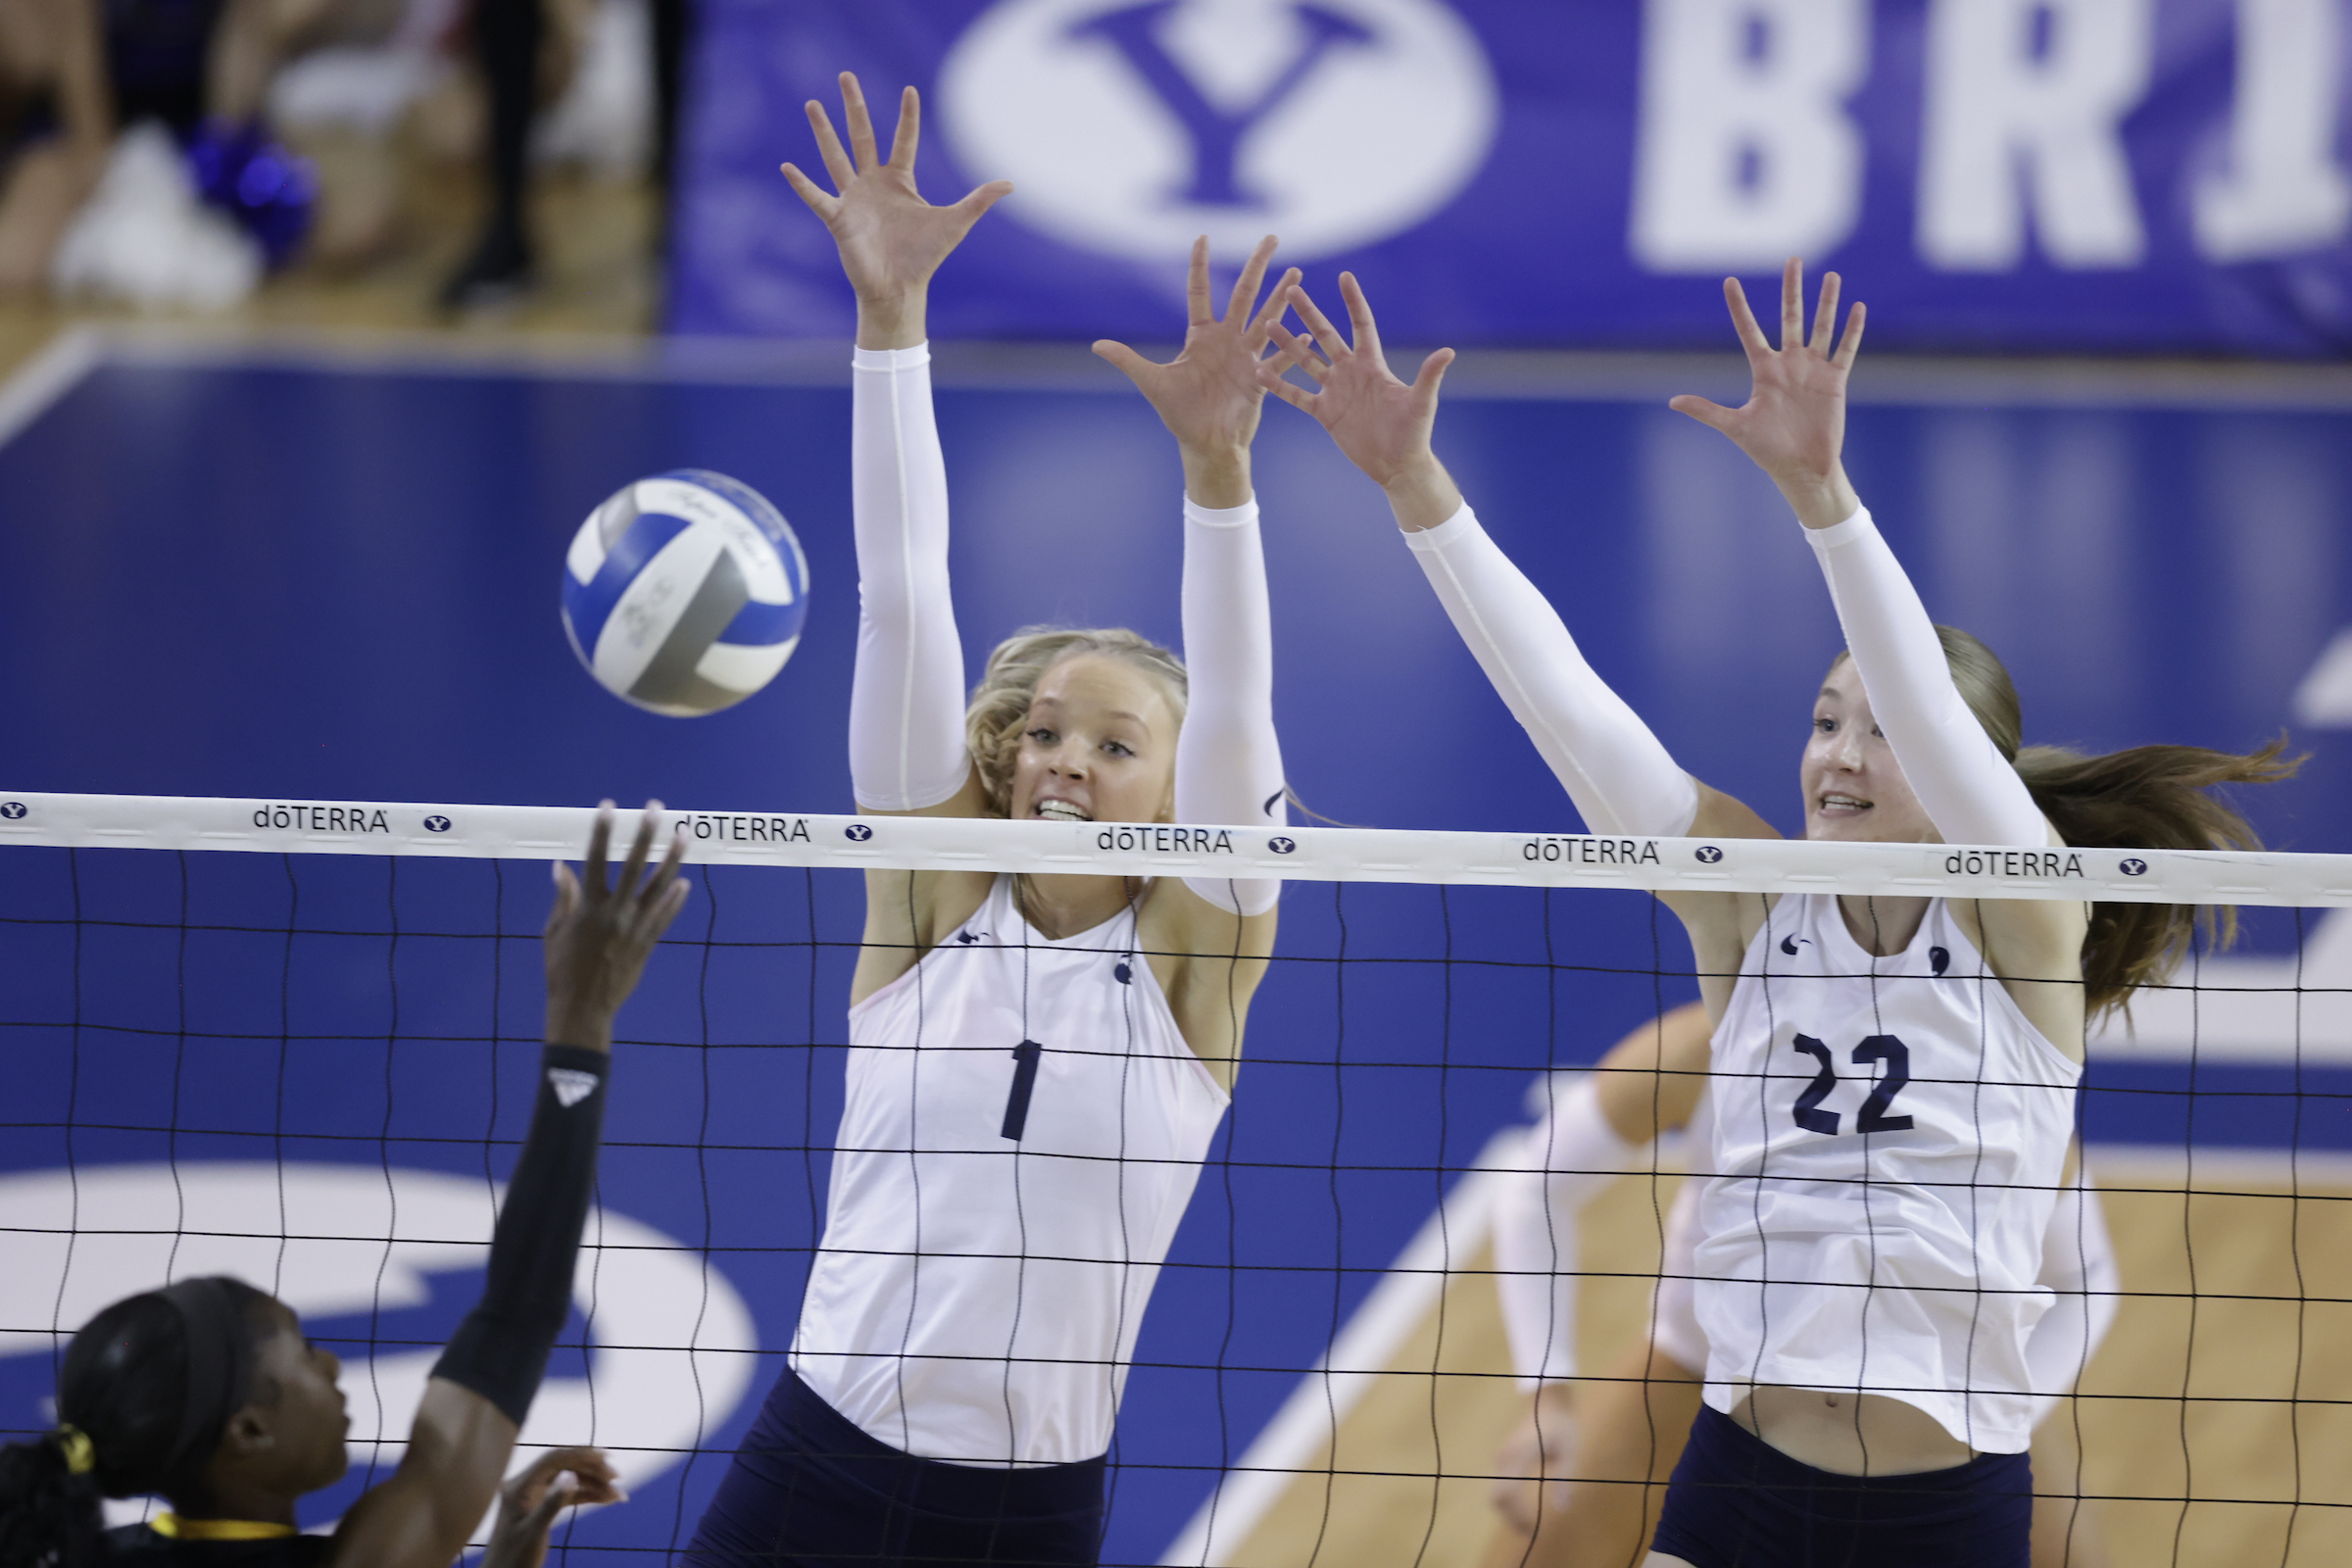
pixel 56 128
pixel 507 34
pixel 671 27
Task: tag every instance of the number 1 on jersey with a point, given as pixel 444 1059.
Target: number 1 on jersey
pixel 1024 1080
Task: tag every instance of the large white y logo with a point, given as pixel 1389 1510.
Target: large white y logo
pixel 1132 126
pixel 1215 131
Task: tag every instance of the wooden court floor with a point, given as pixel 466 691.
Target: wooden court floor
pixel 2214 1422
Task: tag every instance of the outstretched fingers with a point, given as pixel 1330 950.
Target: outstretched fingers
pixel 909 131
pixel 1825 312
pixel 828 146
pixel 1238 306
pixel 1852 343
pixel 1743 321
pixel 1269 314
pixel 1297 396
pixel 861 122
pixel 1360 315
pixel 1197 312
pixel 665 894
pixel 820 202
pixel 1297 352
pixel 1793 304
pixel 1432 375
pixel 640 849
pixel 600 844
pixel 1327 337
pixel 978 200
pixel 1134 364
pixel 1714 415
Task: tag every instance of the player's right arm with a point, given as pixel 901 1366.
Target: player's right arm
pixel 908 753
pixel 1621 778
pixel 597 942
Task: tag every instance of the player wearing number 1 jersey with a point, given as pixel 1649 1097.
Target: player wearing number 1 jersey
pixel 1892 1078
pixel 1037 1064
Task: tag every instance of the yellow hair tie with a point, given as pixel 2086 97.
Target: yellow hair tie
pixel 74 1445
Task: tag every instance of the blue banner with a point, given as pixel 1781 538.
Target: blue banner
pixel 2013 174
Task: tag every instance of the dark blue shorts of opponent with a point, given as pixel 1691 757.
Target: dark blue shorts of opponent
pixel 1734 1501
pixel 809 1490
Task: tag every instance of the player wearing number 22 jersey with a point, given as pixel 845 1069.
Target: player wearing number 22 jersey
pixel 1889 1137
pixel 1037 1064
pixel 1893 1078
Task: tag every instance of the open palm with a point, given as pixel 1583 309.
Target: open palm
pixel 890 239
pixel 1793 422
pixel 1382 424
pixel 1209 396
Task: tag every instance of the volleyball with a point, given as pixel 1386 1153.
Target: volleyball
pixel 684 593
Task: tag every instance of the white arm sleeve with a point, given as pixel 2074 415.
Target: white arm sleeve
pixel 906 745
pixel 1568 1157
pixel 2078 1262
pixel 1619 777
pixel 1971 792
pixel 1228 760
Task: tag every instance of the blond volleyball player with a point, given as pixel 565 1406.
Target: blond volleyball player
pixel 1579 1483
pixel 1893 1079
pixel 1037 1064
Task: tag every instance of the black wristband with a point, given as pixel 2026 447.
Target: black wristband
pixel 501 1351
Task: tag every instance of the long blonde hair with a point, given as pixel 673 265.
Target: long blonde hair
pixel 2140 798
pixel 991 724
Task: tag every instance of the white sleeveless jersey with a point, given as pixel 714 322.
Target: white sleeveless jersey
pixel 1889 1138
pixel 1023 1131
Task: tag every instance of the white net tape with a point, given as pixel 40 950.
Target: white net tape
pixel 1300 853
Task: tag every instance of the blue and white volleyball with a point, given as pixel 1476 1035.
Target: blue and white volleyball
pixel 684 593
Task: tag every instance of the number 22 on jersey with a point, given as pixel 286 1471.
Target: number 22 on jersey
pixel 1874 1117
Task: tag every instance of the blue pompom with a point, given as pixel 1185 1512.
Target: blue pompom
pixel 267 190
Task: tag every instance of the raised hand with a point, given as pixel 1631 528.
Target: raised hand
pixel 1209 396
pixel 1382 424
pixel 527 1505
pixel 1793 422
pixel 890 239
pixel 599 937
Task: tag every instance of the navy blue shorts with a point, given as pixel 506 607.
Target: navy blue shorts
pixel 809 1490
pixel 1735 1502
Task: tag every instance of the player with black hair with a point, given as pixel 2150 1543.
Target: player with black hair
pixel 208 1394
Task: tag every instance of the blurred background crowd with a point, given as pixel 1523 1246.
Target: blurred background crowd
pixel 184 156
pixel 2020 176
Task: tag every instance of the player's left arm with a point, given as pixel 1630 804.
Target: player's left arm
pixel 1215 934
pixel 1793 427
pixel 597 942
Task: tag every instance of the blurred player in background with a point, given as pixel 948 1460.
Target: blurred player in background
pixel 1580 1482
pixel 1037 1064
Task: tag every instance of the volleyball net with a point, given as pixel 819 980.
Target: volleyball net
pixel 296 1043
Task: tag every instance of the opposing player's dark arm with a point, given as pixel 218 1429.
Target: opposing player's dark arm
pixel 597 942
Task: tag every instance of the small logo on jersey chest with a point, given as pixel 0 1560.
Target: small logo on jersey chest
pixel 1123 971
pixel 1938 959
pixel 967 937
pixel 1788 945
